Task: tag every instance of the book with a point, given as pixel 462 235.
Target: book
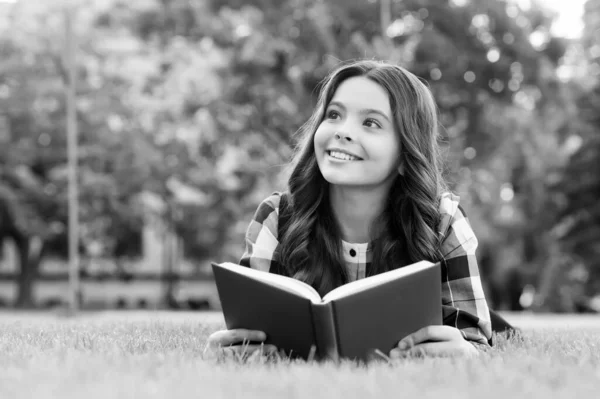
pixel 350 322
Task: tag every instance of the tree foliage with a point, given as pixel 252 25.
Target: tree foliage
pixel 577 227
pixel 196 102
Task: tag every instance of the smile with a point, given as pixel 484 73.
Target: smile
pixel 342 156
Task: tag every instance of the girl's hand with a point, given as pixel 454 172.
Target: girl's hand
pixel 240 342
pixel 434 341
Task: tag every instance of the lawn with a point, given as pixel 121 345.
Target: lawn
pixel 136 355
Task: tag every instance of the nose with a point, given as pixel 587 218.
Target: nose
pixel 342 136
pixel 346 130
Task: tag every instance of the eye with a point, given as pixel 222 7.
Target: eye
pixel 333 114
pixel 370 122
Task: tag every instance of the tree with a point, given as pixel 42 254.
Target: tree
pixel 198 101
pixel 577 224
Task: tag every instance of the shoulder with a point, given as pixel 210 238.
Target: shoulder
pixel 262 235
pixel 454 227
pixel 449 203
pixel 266 218
pixel 268 208
pixel 448 208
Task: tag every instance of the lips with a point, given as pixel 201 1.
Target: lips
pixel 342 155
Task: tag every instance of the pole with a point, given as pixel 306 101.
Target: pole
pixel 385 19
pixel 73 203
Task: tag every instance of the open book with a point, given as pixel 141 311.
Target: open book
pixel 351 321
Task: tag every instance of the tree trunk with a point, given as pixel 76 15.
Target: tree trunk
pixel 24 281
pixel 30 250
pixel 27 269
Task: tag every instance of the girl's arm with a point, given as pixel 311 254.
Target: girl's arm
pixel 261 235
pixel 466 315
pixel 463 299
pixel 261 242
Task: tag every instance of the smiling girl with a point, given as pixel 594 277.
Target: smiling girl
pixel 365 196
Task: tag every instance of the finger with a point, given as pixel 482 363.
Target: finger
pixel 377 355
pixel 249 349
pixel 243 335
pixel 235 336
pixel 430 333
pixel 433 349
pixel 252 348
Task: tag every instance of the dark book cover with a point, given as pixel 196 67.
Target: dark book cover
pixel 351 326
pixel 285 317
pixel 379 318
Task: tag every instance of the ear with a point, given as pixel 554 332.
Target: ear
pixel 401 168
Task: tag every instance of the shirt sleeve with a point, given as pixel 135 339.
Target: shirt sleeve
pixel 463 300
pixel 261 235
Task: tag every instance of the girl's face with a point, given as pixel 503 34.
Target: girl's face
pixel 356 143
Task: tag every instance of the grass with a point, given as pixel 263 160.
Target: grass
pixel 129 358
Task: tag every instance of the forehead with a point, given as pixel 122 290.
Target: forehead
pixel 360 92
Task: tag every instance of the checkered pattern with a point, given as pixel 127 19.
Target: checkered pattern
pixel 463 301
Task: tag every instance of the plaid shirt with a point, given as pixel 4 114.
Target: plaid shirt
pixel 463 300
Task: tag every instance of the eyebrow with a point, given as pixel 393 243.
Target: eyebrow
pixel 364 111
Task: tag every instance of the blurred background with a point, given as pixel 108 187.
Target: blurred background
pixel 186 112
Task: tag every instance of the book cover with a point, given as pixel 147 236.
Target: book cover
pixel 349 322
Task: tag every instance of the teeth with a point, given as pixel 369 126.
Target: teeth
pixel 342 156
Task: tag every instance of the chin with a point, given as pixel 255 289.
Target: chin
pixel 335 179
pixel 345 181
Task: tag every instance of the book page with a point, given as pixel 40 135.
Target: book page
pixel 372 281
pixel 287 283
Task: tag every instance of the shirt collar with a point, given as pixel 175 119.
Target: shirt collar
pixel 358 247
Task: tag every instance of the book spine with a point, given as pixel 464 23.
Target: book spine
pixel 325 331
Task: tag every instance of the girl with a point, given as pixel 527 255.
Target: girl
pixel 366 195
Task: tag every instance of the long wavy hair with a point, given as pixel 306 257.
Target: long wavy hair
pixel 406 231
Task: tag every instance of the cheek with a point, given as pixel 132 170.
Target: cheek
pixel 386 149
pixel 320 138
pixel 388 155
